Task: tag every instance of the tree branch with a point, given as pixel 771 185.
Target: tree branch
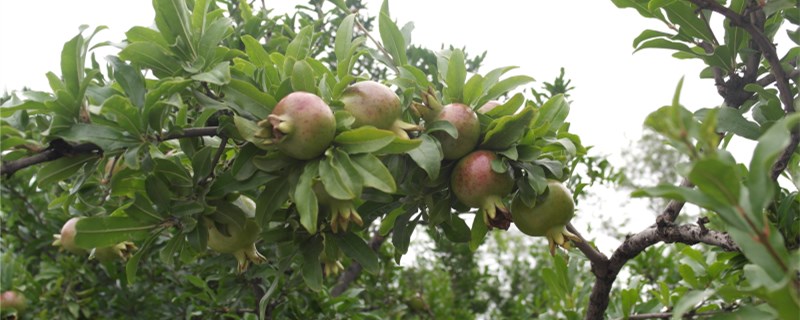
pixel 635 244
pixel 59 148
pixel 597 258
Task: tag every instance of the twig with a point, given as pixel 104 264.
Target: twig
pixel 377 44
pixel 668 315
pixel 598 259
pixel 217 156
pixel 59 148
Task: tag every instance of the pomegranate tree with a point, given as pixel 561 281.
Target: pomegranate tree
pixel 548 217
pixel 466 123
pixel 240 241
pixel 301 125
pixel 373 104
pixel 475 184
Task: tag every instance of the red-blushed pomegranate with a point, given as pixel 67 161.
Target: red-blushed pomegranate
pixel 548 217
pixel 121 251
pixel 374 104
pixel 12 300
pixel 475 184
pixel 469 130
pixel 67 237
pixel 240 241
pixel 301 125
pixel 489 106
pixel 342 212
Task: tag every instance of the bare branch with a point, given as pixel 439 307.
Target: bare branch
pixel 598 259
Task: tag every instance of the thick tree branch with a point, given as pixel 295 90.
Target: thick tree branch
pixel 59 148
pixel 597 258
pixel 635 244
pixel 354 270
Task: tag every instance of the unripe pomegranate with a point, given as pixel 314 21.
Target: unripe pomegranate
pixel 67 237
pixel 548 217
pixel 373 104
pixel 302 126
pixel 486 107
pixel 342 212
pixel 240 241
pixel 121 251
pixel 12 300
pixel 476 185
pixel 469 130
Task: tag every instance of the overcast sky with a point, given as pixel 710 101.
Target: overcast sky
pixel 615 89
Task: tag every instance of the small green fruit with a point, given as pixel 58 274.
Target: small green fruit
pixel 548 217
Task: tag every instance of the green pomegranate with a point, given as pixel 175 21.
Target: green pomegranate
pixel 301 125
pixel 548 217
pixel 66 239
pixel 121 251
pixel 466 123
pixel 373 104
pixel 241 241
pixel 342 212
pixel 475 184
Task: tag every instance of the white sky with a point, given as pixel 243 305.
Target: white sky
pixel 615 89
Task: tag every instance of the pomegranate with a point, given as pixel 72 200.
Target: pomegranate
pixel 373 104
pixel 12 300
pixel 469 130
pixel 486 107
pixel 342 212
pixel 121 251
pixel 475 184
pixel 548 217
pixel 302 126
pixel 67 237
pixel 241 242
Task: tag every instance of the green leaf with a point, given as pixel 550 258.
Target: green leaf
pixel 271 199
pixel 456 75
pixel 201 164
pixel 473 89
pixel 340 177
pixel 246 99
pixel 649 34
pixel 364 139
pixel 72 60
pixel 553 112
pixel 305 199
pixel 344 38
pixel 130 79
pixel 355 247
pixel 174 22
pixel 509 108
pixel 506 131
pixel 428 155
pixel 504 86
pixel 125 115
pixel 303 77
pixel 142 209
pixel 300 46
pixel 176 174
pixel 108 231
pixel 456 230
pixel 374 173
pixel 660 43
pixel 399 145
pixel 478 232
pixel 769 147
pixel 444 126
pixel 219 75
pixel 312 269
pixel 688 301
pixel 685 16
pixel 152 56
pixel 392 39
pixel 717 179
pixel 255 51
pixel 133 263
pixel 61 169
